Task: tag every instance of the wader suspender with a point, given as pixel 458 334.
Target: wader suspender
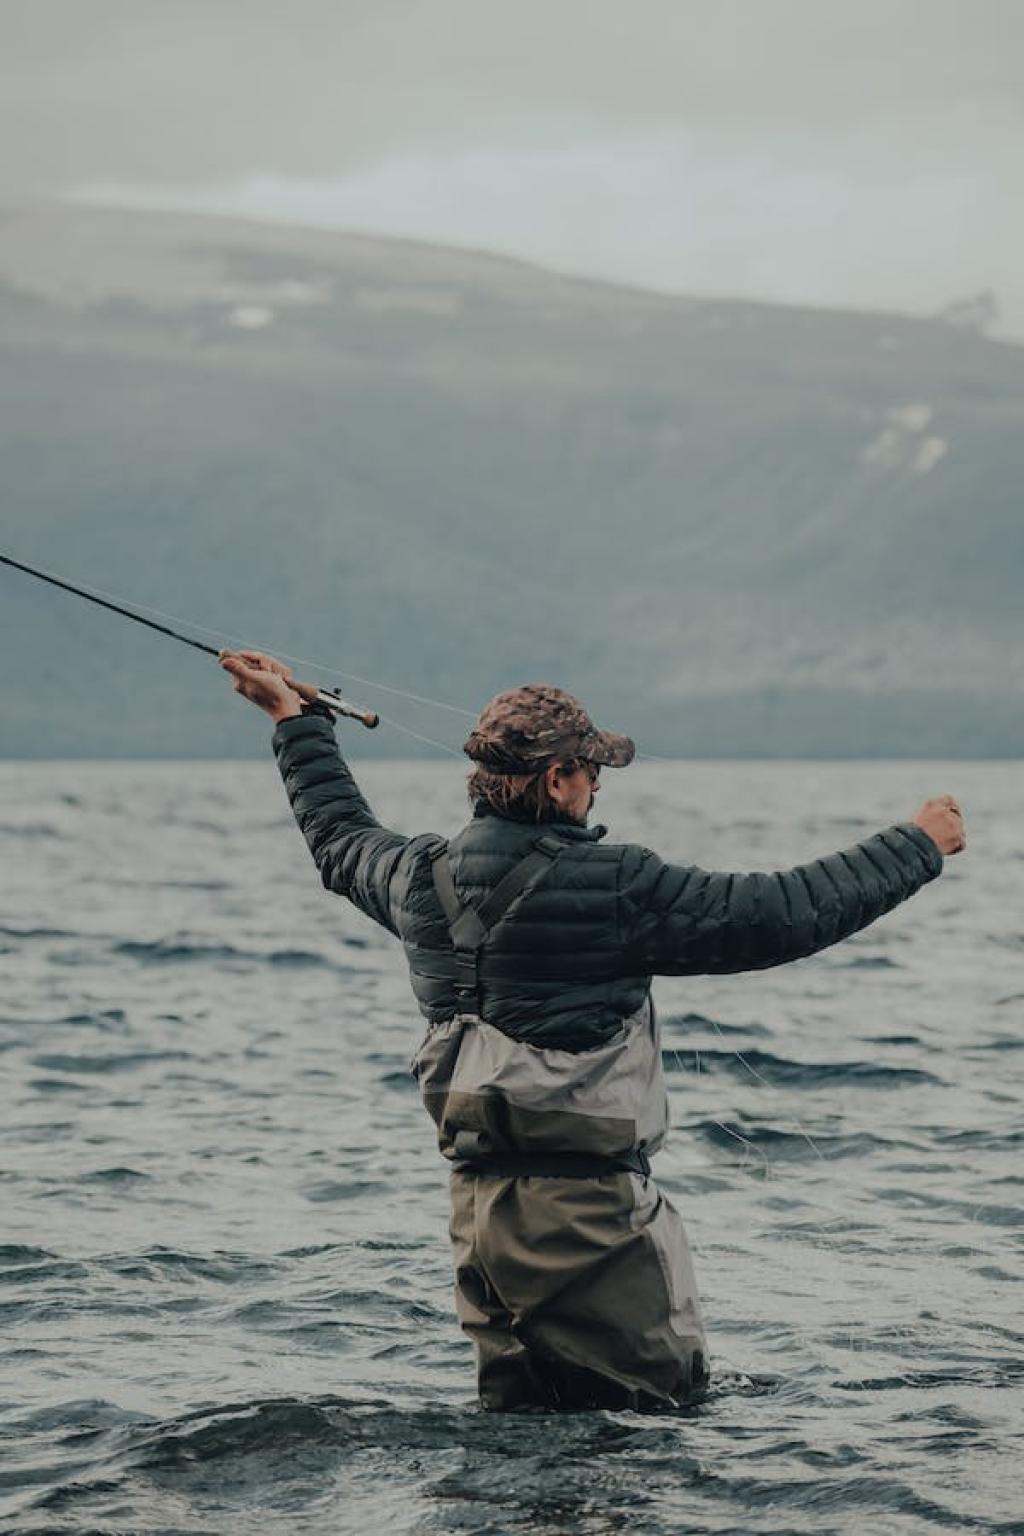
pixel 469 926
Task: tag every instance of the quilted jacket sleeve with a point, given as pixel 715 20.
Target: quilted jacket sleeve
pixel 355 855
pixel 679 920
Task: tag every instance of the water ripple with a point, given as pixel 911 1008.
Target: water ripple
pixel 224 1264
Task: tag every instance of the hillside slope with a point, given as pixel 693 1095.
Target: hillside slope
pixel 732 528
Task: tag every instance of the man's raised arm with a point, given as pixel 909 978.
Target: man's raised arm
pixel 355 855
pixel 680 920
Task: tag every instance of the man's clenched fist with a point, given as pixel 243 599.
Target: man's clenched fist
pixel 264 681
pixel 942 819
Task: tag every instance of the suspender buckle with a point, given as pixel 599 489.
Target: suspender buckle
pixel 466 978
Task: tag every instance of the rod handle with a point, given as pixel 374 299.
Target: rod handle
pixel 334 701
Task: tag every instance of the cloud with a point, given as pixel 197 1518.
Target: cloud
pixel 208 90
pixel 833 151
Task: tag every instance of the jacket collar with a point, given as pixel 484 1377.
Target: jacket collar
pixel 561 826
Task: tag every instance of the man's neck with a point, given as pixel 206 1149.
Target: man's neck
pixel 557 819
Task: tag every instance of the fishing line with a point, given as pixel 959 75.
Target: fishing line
pixel 136 610
pixel 823 1205
pixel 736 1135
pixel 132 609
pixel 768 1168
pixel 123 605
pixel 418 736
pixel 765 1083
pixel 368 682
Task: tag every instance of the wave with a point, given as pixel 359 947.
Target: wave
pixel 162 951
pixel 530 1471
pixel 103 1018
pixel 85 1415
pixel 328 1190
pixel 297 958
pixel 176 952
pixel 868 963
pixel 692 1021
pixel 7 931
pixel 1005 1373
pixel 116 1063
pixel 1000 1136
pixel 791 1142
pixel 401 1078
pixel 117 1175
pixel 755 1064
pixel 23 1253
pixel 21 1264
pixel 250 1427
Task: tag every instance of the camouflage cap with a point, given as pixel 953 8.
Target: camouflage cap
pixel 527 728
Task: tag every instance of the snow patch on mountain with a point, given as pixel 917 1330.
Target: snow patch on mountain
pixel 900 444
pixel 251 317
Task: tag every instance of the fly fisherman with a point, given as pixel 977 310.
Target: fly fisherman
pixel 531 945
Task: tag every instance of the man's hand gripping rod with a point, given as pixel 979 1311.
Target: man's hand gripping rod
pixel 267 682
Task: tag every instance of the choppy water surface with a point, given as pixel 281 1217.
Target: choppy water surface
pixel 224 1275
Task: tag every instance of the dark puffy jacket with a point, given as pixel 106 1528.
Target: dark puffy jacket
pixel 575 955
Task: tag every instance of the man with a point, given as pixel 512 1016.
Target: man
pixel 531 946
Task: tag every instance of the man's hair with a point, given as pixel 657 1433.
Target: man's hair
pixel 521 796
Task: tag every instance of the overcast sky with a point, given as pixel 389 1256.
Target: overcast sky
pixel 867 153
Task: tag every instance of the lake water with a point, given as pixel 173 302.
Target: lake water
pixel 224 1274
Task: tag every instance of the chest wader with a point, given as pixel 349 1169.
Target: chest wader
pixel 573 1274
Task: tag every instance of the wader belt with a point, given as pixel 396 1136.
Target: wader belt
pixel 469 926
pixel 555 1165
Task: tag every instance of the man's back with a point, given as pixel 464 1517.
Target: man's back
pixel 531 945
pixel 574 956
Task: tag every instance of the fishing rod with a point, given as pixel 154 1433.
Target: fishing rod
pixel 308 692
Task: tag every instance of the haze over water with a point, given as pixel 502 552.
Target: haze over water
pixel 224 1269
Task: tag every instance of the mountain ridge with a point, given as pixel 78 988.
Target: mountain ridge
pixel 740 529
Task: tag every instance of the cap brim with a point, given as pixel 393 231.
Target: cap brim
pixel 608 748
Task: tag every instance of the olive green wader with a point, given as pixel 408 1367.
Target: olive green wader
pixel 573 1273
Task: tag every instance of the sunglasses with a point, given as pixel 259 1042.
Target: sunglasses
pixel 577 765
